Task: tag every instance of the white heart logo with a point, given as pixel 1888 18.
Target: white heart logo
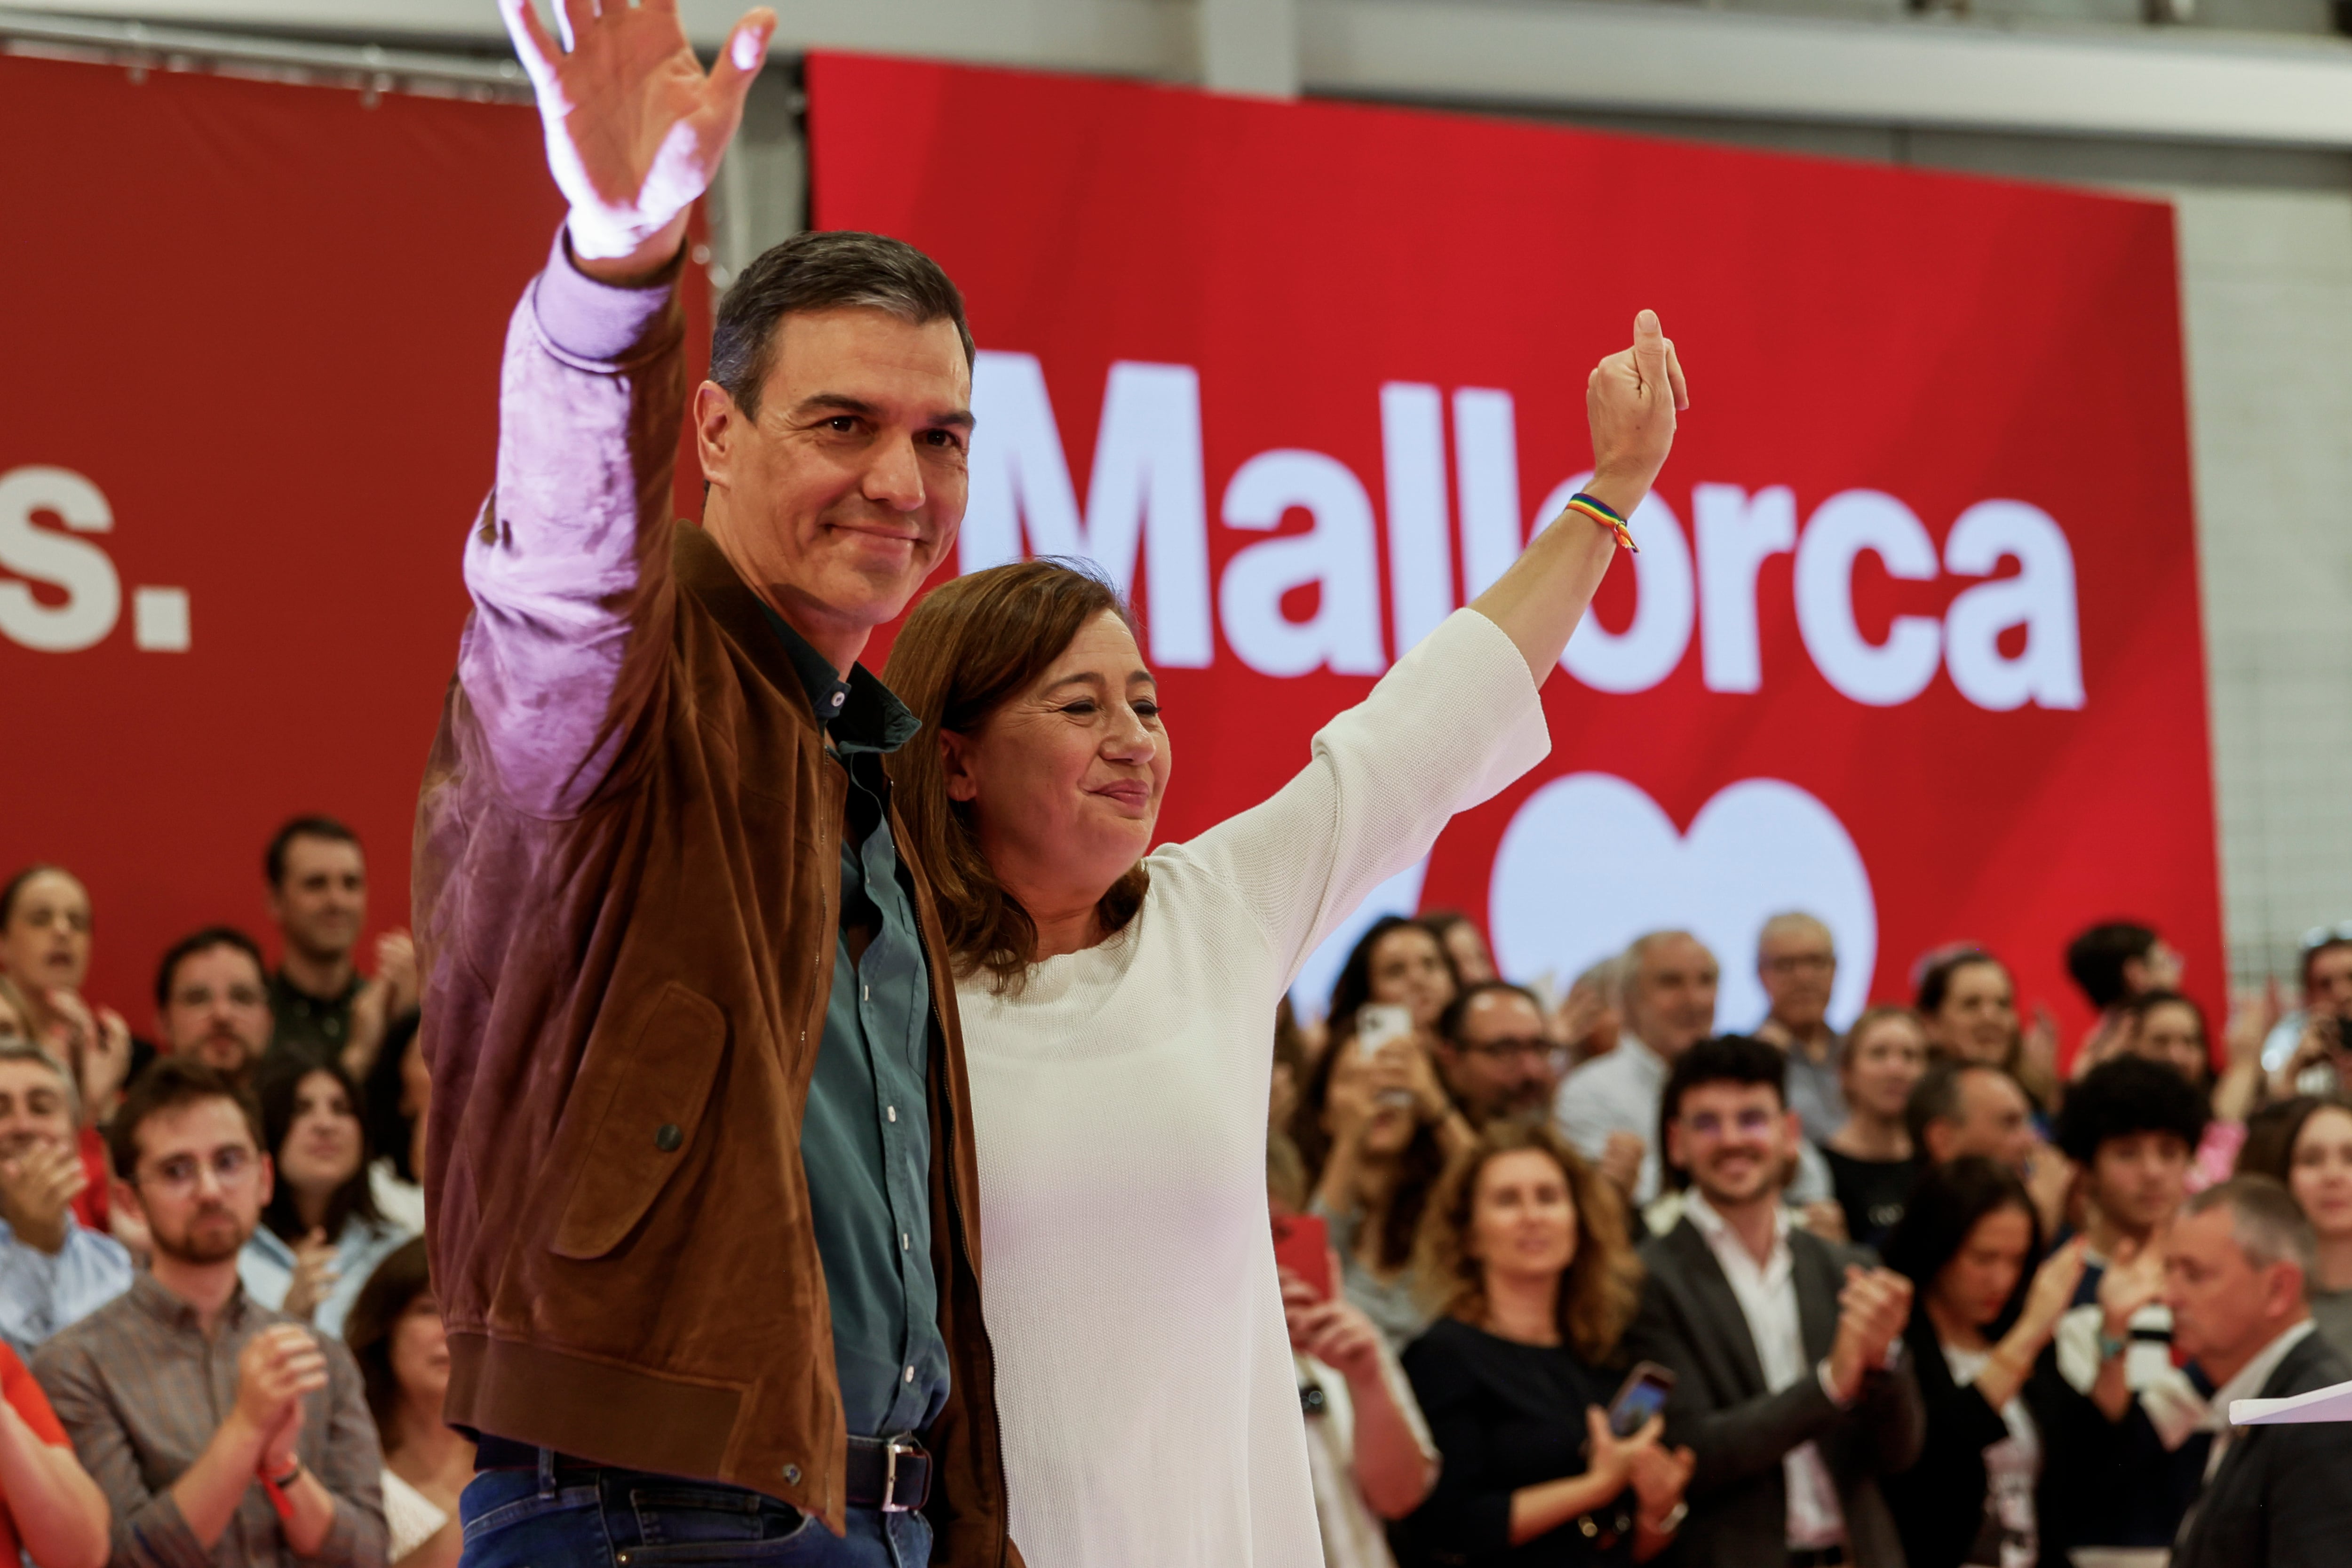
pixel 1590 863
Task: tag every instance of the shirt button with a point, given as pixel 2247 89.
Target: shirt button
pixel 667 1138
pixel 910 1374
pixel 793 1474
pixel 836 699
pixel 891 1111
pixel 905 1244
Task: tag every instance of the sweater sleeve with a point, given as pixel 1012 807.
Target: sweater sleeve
pixel 1455 721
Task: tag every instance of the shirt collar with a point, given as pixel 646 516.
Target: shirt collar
pixel 1716 1230
pixel 2247 1383
pixel 158 1300
pixel 860 714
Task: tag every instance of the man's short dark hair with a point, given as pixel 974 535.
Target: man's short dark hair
pixel 273 859
pixel 204 940
pixel 2128 1095
pixel 1936 1098
pixel 1457 1012
pixel 168 1084
pixel 823 270
pixel 2096 959
pixel 1724 1058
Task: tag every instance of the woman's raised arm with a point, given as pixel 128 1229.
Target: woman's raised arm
pixel 1630 400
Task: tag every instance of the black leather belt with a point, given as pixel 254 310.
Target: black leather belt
pixel 892 1474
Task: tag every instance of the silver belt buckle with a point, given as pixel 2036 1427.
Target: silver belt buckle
pixel 891 1448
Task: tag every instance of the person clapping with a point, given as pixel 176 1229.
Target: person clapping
pixel 1524 1249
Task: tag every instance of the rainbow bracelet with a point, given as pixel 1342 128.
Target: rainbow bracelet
pixel 1600 513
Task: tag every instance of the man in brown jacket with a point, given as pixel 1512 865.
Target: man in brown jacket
pixel 701 1157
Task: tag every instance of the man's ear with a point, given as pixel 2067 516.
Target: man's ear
pixel 1674 1154
pixel 716 418
pixel 125 1197
pixel 955 765
pixel 1937 1136
pixel 268 1181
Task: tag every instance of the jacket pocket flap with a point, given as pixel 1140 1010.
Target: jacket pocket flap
pixel 642 1103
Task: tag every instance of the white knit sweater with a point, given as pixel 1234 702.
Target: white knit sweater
pixel 1143 1375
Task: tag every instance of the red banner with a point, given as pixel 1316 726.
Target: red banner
pixel 248 410
pixel 1913 639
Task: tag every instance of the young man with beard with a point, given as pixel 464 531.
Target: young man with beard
pixel 1790 1387
pixel 291 1469
pixel 211 1002
pixel 53 1269
pixel 1494 1055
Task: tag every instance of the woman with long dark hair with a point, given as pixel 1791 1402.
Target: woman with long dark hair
pixel 395 1334
pixel 2305 1144
pixel 321 1234
pixel 2003 1480
pixel 1524 1256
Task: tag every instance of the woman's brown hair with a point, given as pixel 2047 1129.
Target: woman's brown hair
pixel 1602 1284
pixel 971 646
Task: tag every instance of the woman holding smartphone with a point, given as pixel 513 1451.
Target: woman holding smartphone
pixel 1115 1006
pixel 1525 1253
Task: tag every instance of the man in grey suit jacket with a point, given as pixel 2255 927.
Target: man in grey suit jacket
pixel 2274 1496
pixel 1787 1350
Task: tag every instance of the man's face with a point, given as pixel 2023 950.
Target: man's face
pixel 2136 1179
pixel 323 902
pixel 2223 1308
pixel 1501 1067
pixel 838 499
pixel 219 1009
pixel 1995 1120
pixel 34 1110
pixel 200 1182
pixel 2328 987
pixel 1672 1006
pixel 1735 1139
pixel 1796 966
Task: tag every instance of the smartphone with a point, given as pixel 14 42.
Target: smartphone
pixel 1302 1244
pixel 1378 1023
pixel 1641 1395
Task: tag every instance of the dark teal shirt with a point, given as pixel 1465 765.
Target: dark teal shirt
pixel 865 1137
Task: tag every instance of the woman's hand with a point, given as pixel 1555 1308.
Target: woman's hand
pixel 1659 1475
pixel 105 1065
pixel 1609 1459
pixel 2053 1290
pixel 2135 1277
pixel 314 1276
pixel 1630 400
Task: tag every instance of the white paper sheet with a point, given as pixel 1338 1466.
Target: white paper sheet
pixel 2320 1405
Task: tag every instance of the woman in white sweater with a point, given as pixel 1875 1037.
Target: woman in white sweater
pixel 1115 1006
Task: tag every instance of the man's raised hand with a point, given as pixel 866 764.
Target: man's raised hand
pixel 635 128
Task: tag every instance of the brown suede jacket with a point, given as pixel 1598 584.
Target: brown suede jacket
pixel 627 892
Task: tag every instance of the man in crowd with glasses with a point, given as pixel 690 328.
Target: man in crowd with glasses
pixel 1494 1054
pixel 1796 962
pixel 221 1432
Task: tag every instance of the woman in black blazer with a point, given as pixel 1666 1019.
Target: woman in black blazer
pixel 2011 1446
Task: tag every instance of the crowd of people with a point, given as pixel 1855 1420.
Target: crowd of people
pixel 218 1337
pixel 1916 1295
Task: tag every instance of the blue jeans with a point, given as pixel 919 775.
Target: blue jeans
pixel 599 1517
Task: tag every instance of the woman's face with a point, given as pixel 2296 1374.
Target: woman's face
pixel 46 942
pixel 1409 970
pixel 1882 1064
pixel 2171 1033
pixel 2321 1174
pixel 1468 950
pixel 1373 1091
pixel 1523 1216
pixel 420 1353
pixel 1064 780
pixel 1978 1282
pixel 322 1143
pixel 1978 1022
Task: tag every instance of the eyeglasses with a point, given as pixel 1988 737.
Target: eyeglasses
pixel 1531 1048
pixel 230 1167
pixel 1791 962
pixel 1749 1123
